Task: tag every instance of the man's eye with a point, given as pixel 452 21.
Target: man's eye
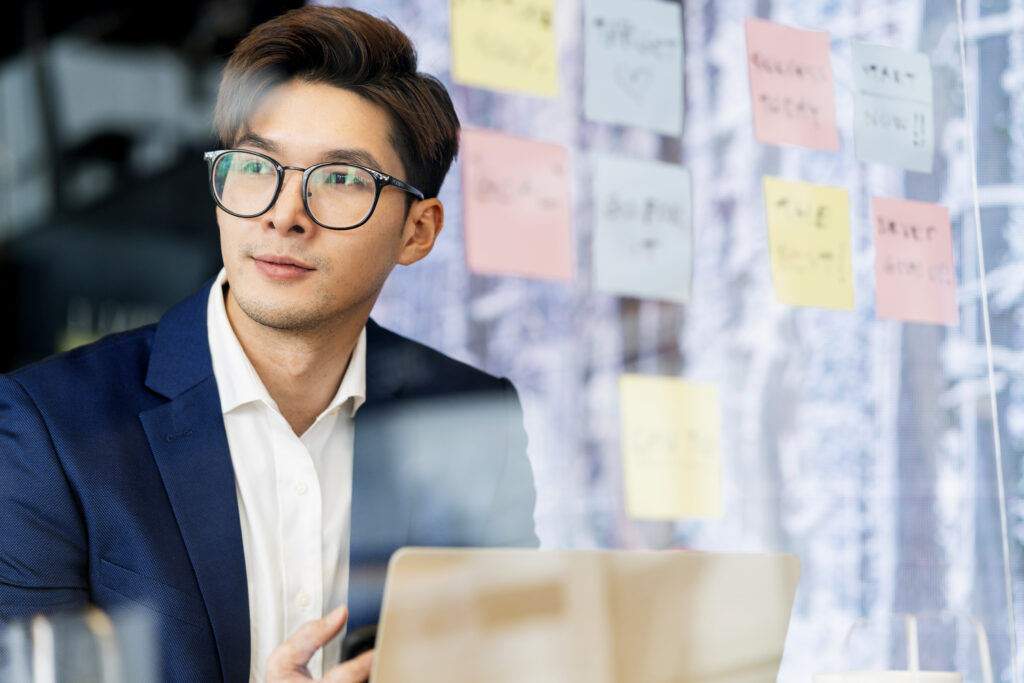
pixel 255 168
pixel 344 178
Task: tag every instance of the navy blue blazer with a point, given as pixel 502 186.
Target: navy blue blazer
pixel 116 484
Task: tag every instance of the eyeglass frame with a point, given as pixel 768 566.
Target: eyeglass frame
pixel 380 180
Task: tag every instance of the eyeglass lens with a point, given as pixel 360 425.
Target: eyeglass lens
pixel 338 195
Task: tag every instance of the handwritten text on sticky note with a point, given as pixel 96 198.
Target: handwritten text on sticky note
pixel 809 240
pixel 894 120
pixel 643 235
pixel 670 447
pixel 791 88
pixel 516 212
pixel 915 279
pixel 633 64
pixel 505 45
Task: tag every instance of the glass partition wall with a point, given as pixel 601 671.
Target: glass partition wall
pixel 869 444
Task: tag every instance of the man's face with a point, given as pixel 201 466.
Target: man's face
pixel 285 271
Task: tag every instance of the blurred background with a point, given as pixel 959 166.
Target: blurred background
pixel 868 447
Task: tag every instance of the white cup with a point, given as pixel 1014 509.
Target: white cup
pixel 888 677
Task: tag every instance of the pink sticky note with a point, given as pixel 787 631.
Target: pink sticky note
pixel 914 275
pixel 516 206
pixel 791 89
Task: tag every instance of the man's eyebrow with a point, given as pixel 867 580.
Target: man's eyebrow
pixel 253 140
pixel 354 156
pixel 343 154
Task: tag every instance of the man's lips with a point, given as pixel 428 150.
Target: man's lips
pixel 282 261
pixel 281 267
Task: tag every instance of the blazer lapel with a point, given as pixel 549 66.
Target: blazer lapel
pixel 191 450
pixel 380 512
pixel 380 501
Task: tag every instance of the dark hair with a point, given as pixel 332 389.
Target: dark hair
pixel 348 49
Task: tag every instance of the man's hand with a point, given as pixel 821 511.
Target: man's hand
pixel 287 664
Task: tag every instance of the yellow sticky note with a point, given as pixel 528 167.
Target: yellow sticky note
pixel 809 239
pixel 505 45
pixel 670 447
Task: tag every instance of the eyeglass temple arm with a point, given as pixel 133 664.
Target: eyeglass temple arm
pixel 401 185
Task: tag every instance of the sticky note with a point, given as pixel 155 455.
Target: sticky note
pixel 643 235
pixel 809 241
pixel 791 92
pixel 670 447
pixel 894 120
pixel 516 213
pixel 915 279
pixel 505 45
pixel 633 64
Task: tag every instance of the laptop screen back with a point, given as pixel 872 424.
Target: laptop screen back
pixel 500 615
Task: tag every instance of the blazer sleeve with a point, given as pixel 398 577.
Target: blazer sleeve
pixel 510 519
pixel 43 549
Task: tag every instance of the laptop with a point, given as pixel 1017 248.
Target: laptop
pixel 470 615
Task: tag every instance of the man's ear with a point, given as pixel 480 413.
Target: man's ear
pixel 422 226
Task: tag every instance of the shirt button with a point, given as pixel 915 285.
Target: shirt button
pixel 301 488
pixel 304 600
pixel 334 411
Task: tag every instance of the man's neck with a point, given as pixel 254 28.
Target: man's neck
pixel 301 369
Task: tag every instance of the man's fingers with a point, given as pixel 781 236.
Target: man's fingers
pixel 294 653
pixel 355 670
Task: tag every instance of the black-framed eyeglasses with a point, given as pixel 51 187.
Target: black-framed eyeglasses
pixel 337 196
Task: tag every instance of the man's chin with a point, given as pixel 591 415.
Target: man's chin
pixel 285 321
pixel 284 316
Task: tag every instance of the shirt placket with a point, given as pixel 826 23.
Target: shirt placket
pixel 300 532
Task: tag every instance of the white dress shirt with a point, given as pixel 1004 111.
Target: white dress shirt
pixel 294 493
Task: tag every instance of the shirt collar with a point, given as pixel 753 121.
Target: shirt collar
pixel 237 380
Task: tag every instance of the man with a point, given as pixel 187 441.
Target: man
pixel 248 464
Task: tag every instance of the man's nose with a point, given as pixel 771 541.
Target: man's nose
pixel 289 215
